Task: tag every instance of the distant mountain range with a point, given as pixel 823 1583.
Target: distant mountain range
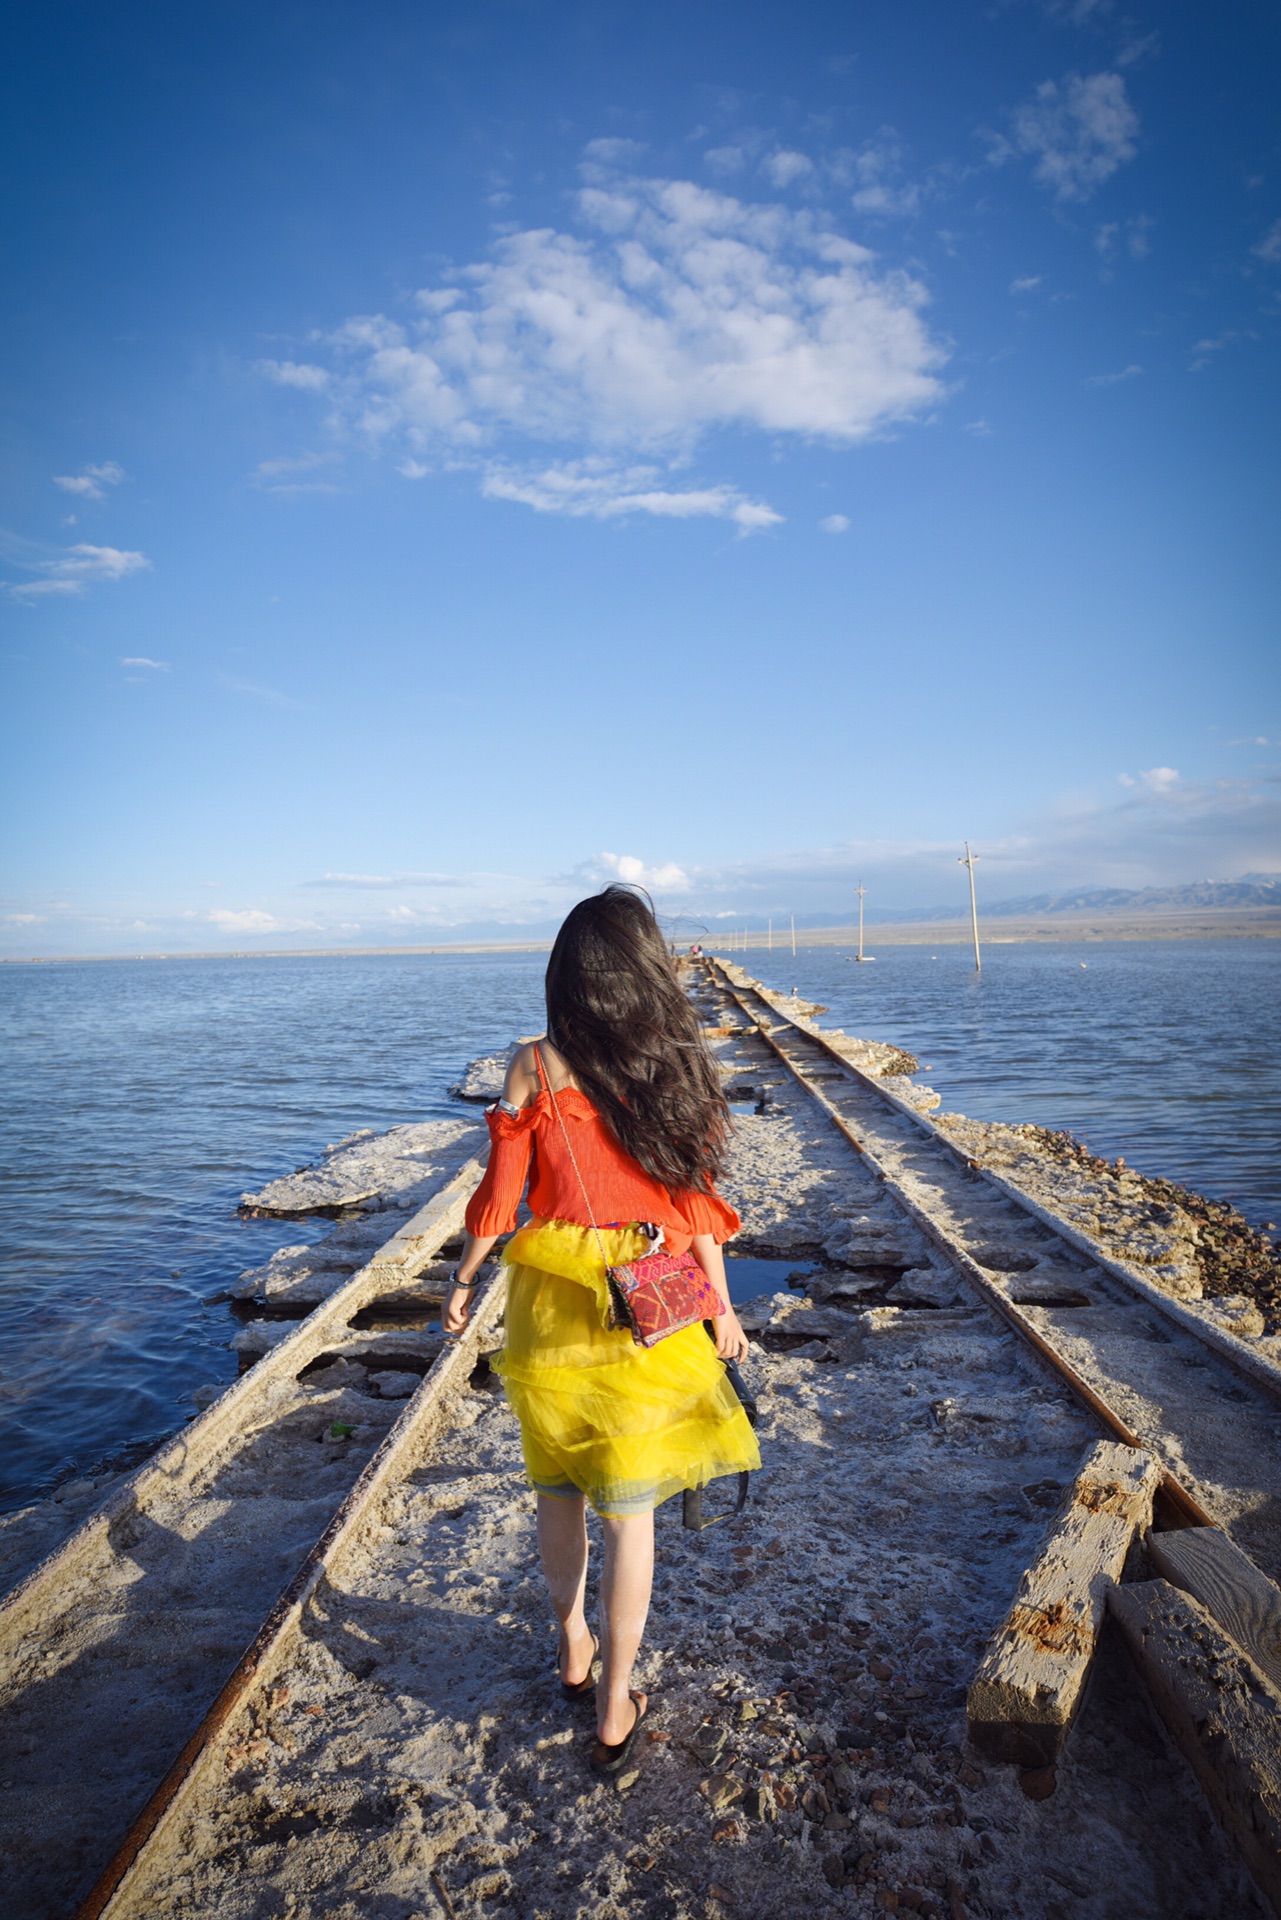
pixel 1251 890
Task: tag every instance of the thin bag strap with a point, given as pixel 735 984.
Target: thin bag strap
pixel 546 1079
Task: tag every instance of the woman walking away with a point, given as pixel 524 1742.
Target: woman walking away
pixel 616 1119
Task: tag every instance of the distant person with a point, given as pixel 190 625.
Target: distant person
pixel 624 1086
pixel 696 952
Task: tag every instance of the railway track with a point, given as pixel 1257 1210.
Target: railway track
pixel 188 1531
pixel 1146 1369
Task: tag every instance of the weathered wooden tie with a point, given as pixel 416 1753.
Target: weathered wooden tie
pixel 1226 1582
pixel 1219 1710
pixel 1030 1681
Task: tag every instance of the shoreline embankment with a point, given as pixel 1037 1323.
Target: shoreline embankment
pixel 996 930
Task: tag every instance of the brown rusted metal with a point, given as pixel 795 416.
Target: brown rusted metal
pixel 1181 1506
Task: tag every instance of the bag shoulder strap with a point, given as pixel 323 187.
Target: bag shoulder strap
pixel 545 1079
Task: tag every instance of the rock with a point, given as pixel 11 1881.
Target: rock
pixel 206 1395
pixel 922 1099
pixel 1180 1278
pixel 626 1781
pixel 1038 1783
pixel 755 1315
pixel 925 1287
pixel 1235 1313
pixel 721 1790
pixel 389 1168
pixel 482 1079
pixel 74 1490
pixel 395 1386
pixel 811 1350
pixel 337 1375
pixel 260 1336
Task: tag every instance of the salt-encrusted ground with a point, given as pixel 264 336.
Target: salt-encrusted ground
pixel 807 1663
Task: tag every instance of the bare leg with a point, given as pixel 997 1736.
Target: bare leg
pixel 562 1549
pixel 626 1579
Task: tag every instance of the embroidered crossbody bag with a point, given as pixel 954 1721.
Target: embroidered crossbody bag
pixel 661 1292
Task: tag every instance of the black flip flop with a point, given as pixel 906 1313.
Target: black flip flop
pixel 605 1761
pixel 579 1689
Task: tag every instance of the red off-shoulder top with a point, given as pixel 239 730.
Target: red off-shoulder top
pixel 619 1189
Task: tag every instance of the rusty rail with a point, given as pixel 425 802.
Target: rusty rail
pixel 1181 1505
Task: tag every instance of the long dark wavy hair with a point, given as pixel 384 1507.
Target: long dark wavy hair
pixel 616 1011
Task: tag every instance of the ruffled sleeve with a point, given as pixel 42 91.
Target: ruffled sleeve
pixel 492 1208
pixel 708 1213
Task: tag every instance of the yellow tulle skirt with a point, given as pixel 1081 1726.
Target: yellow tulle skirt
pixel 626 1425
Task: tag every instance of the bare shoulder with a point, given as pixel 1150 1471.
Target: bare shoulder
pixel 521 1085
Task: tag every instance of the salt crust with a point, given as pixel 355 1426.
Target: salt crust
pixel 419 1730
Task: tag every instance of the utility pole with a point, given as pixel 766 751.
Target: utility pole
pixel 793 917
pixel 860 890
pixel 971 861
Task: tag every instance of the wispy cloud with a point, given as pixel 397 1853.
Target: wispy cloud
pixel 835 523
pixel 604 492
pixel 141 660
pixel 1158 780
pixel 1132 235
pixel 1112 379
pixel 785 168
pixel 1269 248
pixel 79 568
pixel 878 178
pixel 671 312
pixel 1078 131
pixel 1203 351
pixel 92 481
pixel 288 473
pixel 294 373
pixel 242 920
pixel 1027 285
pixel 383 882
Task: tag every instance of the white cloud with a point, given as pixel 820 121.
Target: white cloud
pixel 246 920
pixel 673 312
pixel 1133 234
pixel 90 482
pixel 140 660
pixel 285 473
pixel 783 169
pixel 1078 132
pixel 294 373
pixel 1269 248
pixel 78 568
pixel 1157 780
pixel 877 174
pixel 664 878
pixel 597 489
pixel 1111 379
pixel 725 159
pixel 1027 285
pixel 981 429
pixel 835 523
pixel 24 919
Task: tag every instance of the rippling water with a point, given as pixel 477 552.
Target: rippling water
pixel 1168 1052
pixel 143 1097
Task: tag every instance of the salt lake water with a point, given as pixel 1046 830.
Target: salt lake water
pixel 143 1097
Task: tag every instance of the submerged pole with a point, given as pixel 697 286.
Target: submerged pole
pixel 971 861
pixel 861 890
pixel 793 919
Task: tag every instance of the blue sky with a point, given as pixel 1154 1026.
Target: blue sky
pixel 454 456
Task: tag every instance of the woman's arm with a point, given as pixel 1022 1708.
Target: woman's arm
pixel 520 1089
pixel 731 1341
